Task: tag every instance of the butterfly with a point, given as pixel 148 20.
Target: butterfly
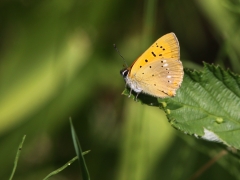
pixel 158 71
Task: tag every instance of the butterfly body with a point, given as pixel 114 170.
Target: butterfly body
pixel 134 85
pixel 158 71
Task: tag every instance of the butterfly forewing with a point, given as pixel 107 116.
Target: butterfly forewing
pixel 164 48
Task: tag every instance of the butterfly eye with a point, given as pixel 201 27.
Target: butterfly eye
pixel 124 73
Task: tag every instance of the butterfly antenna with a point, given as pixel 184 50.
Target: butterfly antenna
pixel 115 47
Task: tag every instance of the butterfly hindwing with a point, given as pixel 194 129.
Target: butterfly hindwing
pixel 160 78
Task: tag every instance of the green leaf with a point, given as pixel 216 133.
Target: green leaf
pixel 78 149
pixel 207 105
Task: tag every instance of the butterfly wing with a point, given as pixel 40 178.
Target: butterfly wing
pixel 164 48
pixel 160 78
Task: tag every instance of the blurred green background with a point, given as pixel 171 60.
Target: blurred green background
pixel 57 61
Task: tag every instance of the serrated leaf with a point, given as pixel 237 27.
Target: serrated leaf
pixel 207 105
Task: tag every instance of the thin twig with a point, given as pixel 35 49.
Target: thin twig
pixel 208 165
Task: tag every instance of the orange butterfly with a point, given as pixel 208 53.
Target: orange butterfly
pixel 158 71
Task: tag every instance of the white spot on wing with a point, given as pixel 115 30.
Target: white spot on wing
pixel 169 76
pixel 165 65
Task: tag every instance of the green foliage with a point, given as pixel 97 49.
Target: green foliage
pixel 206 105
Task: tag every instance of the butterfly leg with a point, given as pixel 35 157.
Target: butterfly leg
pixel 130 93
pixel 137 96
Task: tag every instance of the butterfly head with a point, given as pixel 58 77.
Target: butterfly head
pixel 131 83
pixel 124 72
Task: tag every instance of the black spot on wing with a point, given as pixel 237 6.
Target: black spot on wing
pixel 153 54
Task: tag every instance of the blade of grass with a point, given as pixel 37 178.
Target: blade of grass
pixel 61 168
pixel 78 149
pixel 17 157
pixel 64 166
